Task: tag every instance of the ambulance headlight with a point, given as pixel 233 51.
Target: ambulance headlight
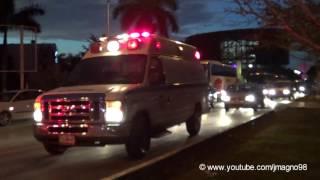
pixel 37 114
pixel 225 98
pixel 113 46
pixel 250 98
pixel 302 88
pixel 114 113
pixel 286 92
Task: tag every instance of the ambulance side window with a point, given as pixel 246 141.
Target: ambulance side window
pixel 156 75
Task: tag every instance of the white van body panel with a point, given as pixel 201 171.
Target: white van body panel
pixel 164 105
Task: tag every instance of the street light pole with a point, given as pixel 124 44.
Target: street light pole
pixel 108 17
pixel 21 57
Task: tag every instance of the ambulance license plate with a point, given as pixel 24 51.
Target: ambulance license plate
pixel 67 139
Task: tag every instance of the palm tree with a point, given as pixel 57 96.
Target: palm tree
pixel 11 18
pixel 153 15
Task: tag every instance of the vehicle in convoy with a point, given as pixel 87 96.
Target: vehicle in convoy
pixel 211 99
pixel 220 76
pixel 126 90
pixel 243 96
pixel 16 105
pixel 300 89
pixel 279 89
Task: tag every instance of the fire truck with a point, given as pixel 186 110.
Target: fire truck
pixel 127 89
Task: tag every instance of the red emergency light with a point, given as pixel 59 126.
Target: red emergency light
pixel 133 44
pixel 95 48
pixel 135 35
pixel 158 45
pixel 132 40
pixel 197 55
pixel 145 34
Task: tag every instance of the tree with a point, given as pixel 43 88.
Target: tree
pixel 67 62
pixel 10 18
pixel 152 15
pixel 299 18
pixel 91 40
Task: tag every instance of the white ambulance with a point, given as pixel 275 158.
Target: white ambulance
pixel 126 90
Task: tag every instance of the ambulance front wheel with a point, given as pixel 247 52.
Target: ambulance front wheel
pixel 54 149
pixel 138 143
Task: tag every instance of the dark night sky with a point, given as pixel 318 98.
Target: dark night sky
pixel 68 23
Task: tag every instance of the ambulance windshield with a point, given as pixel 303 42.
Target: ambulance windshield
pixel 123 69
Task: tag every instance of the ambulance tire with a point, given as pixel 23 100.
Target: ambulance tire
pixel 138 142
pixel 54 149
pixel 193 124
pixel 227 108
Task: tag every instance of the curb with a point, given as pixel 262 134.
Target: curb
pixel 127 172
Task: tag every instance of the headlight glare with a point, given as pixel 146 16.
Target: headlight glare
pixel 302 88
pixel 37 115
pixel 286 92
pixel 114 113
pixel 272 92
pixel 250 98
pixel 265 92
pixel 225 98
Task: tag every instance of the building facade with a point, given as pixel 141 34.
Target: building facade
pixel 253 47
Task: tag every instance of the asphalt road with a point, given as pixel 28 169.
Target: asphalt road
pixel 22 157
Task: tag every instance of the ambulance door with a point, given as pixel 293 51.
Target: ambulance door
pixel 178 91
pixel 160 105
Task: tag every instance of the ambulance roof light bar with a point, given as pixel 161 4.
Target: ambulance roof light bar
pixel 113 46
pixel 135 35
pixel 145 34
pixel 133 44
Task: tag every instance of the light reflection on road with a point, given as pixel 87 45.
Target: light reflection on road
pixel 19 150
